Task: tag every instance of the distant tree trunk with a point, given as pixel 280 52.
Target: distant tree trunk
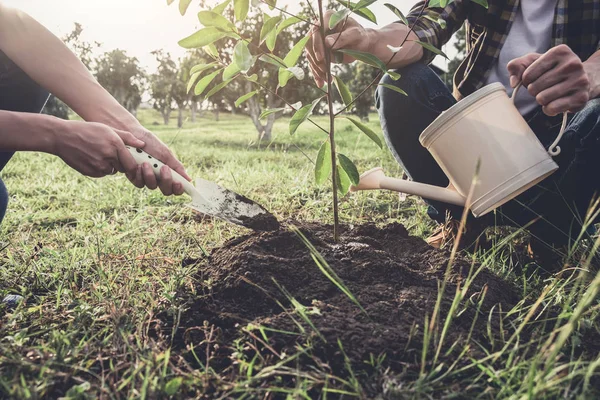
pixel 180 117
pixel 216 111
pixel 166 116
pixel 254 110
pixel 193 108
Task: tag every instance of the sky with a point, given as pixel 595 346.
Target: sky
pixel 140 26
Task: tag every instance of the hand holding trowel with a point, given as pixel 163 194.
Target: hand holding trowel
pixel 211 199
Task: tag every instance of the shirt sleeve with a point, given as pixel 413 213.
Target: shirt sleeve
pixel 436 25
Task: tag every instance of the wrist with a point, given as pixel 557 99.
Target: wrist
pixel 592 70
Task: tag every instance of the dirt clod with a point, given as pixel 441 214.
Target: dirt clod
pixel 394 276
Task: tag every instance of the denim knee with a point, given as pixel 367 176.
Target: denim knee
pixel 3 200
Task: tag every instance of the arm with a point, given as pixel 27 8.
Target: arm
pixel 376 41
pixel 52 65
pixel 558 79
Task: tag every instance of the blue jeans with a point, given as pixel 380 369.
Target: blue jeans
pixel 19 93
pixel 561 200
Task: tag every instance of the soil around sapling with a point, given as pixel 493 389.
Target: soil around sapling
pixel 395 277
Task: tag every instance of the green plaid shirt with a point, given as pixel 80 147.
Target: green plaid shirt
pixel 576 24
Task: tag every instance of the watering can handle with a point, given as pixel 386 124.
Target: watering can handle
pixel 554 149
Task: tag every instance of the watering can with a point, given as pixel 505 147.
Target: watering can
pixel 482 136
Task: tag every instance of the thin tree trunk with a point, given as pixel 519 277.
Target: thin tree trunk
pixel 193 108
pixel 180 117
pixel 216 114
pixel 166 117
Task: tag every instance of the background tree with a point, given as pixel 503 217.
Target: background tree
pixel 461 46
pixel 362 76
pixel 84 51
pixel 163 84
pixel 123 77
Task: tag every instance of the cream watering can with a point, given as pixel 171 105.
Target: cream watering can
pixel 484 128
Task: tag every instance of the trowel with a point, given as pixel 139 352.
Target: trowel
pixel 211 199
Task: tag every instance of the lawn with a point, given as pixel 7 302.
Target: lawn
pixel 99 262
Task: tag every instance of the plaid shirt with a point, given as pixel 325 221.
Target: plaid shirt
pixel 576 24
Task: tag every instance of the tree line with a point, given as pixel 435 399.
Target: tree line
pixel 173 87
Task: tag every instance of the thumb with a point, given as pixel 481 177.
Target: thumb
pixel 129 139
pixel 518 66
pixel 349 39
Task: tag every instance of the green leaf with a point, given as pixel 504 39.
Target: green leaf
pixel 294 55
pixel 192 81
pixel 366 58
pixel 302 115
pixel 232 70
pixel 343 90
pixel 221 7
pixel 205 37
pixel 241 8
pixel 252 78
pixel 367 131
pixel 394 88
pixel 360 9
pixel 342 180
pixel 269 27
pixel 284 77
pixel 211 50
pixel 273 60
pixel 350 168
pixel 431 48
pixel 242 56
pixel 201 67
pixel 394 75
pixel 287 23
pixel 338 17
pixel 169 2
pixel 218 88
pixel 270 111
pixel 398 13
pixel 245 98
pixel 204 82
pixel 271 3
pixel 271 40
pixel 183 6
pixel 323 165
pixel 211 18
pixel 172 387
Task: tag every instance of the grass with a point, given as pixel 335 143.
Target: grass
pixel 97 260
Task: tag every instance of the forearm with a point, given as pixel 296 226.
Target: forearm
pixel 29 132
pixel 592 68
pixel 52 65
pixel 393 35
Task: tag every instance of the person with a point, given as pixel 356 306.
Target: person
pixel 550 46
pixel 34 63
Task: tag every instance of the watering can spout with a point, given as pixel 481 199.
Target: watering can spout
pixel 375 179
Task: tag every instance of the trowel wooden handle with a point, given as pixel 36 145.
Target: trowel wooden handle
pixel 142 157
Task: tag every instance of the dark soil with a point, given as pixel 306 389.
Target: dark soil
pixel 394 276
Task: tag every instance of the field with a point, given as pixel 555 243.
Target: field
pixel 128 294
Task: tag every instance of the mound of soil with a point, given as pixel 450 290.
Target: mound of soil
pixel 395 277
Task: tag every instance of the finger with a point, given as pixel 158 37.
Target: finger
pixel 318 49
pixel 555 92
pixel 166 181
pixel 573 103
pixel 316 70
pixel 129 139
pixel 178 189
pixel 538 68
pixel 126 160
pixel 136 177
pixel 349 39
pixel 545 82
pixel 517 67
pixel 149 177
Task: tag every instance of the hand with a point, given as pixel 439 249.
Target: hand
pixel 95 149
pixel 557 79
pixel 144 176
pixel 353 36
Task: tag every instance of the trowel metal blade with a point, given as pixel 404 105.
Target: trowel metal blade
pixel 222 203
